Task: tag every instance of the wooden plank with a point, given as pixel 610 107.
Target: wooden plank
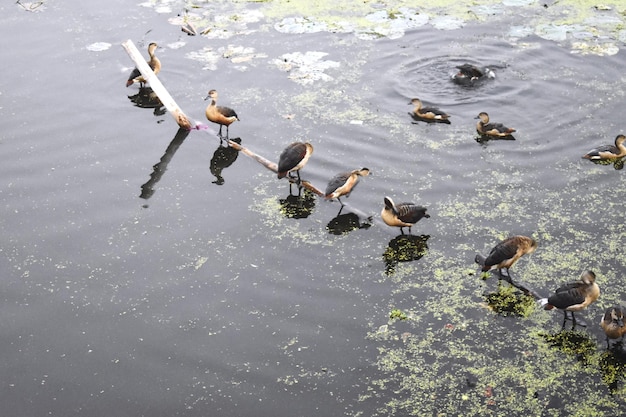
pixel 159 89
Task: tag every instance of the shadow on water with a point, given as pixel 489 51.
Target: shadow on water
pixel 298 206
pixel 618 163
pixel 223 157
pixel 147 189
pixel 404 248
pixel 345 223
pixel 146 98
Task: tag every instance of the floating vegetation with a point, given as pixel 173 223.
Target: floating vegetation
pixel 305 68
pixel 98 46
pixel 397 314
pixel 509 301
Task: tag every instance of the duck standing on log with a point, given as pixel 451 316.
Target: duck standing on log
pixel 342 184
pixel 153 62
pixel 293 158
pixel 223 116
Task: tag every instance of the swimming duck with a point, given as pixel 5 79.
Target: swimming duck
pixel 429 113
pixel 506 253
pixel 221 115
pixel 293 158
pixel 483 127
pixel 469 73
pixel 343 183
pixel 613 323
pixel 573 296
pixel 402 215
pixel 153 62
pixel 608 152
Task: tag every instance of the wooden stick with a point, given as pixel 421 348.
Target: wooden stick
pixel 181 119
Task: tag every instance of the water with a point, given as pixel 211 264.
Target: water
pixel 203 298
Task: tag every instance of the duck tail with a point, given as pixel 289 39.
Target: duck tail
pixel 543 302
pixel 480 260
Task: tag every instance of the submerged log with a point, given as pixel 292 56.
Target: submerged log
pixel 140 62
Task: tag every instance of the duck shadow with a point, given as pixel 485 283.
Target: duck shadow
pixel 223 157
pixel 298 206
pixel 146 98
pixel 484 139
pixel 404 248
pixel 158 169
pixel 612 363
pixel 571 342
pixel 417 119
pixel 618 163
pixel 345 223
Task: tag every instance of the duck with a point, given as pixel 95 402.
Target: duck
pixel 428 113
pixel 343 183
pixel 220 115
pixel 293 158
pixel 613 323
pixel 483 127
pixel 402 215
pixel 153 63
pixel 506 253
pixel 573 296
pixel 608 152
pixel 469 73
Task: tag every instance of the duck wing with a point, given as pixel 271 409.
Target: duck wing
pixel 336 182
pixel 410 213
pixel 227 111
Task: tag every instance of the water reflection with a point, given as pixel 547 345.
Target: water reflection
pixel 617 163
pixel 612 364
pixel 146 98
pixel 298 206
pixel 345 223
pixel 404 248
pixel 223 157
pixel 159 169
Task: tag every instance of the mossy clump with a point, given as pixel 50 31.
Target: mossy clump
pixel 508 301
pixel 397 314
pixel 612 363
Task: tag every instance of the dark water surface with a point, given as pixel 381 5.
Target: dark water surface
pixel 203 298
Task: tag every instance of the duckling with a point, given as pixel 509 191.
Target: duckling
pixel 483 127
pixel 221 115
pixel 153 62
pixel 402 215
pixel 608 152
pixel 613 323
pixel 506 253
pixel 428 113
pixel 469 73
pixel 573 296
pixel 293 158
pixel 343 184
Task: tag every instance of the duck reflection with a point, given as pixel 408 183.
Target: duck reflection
pixel 298 206
pixel 146 98
pixel 404 248
pixel 345 223
pixel 223 157
pixel 159 169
